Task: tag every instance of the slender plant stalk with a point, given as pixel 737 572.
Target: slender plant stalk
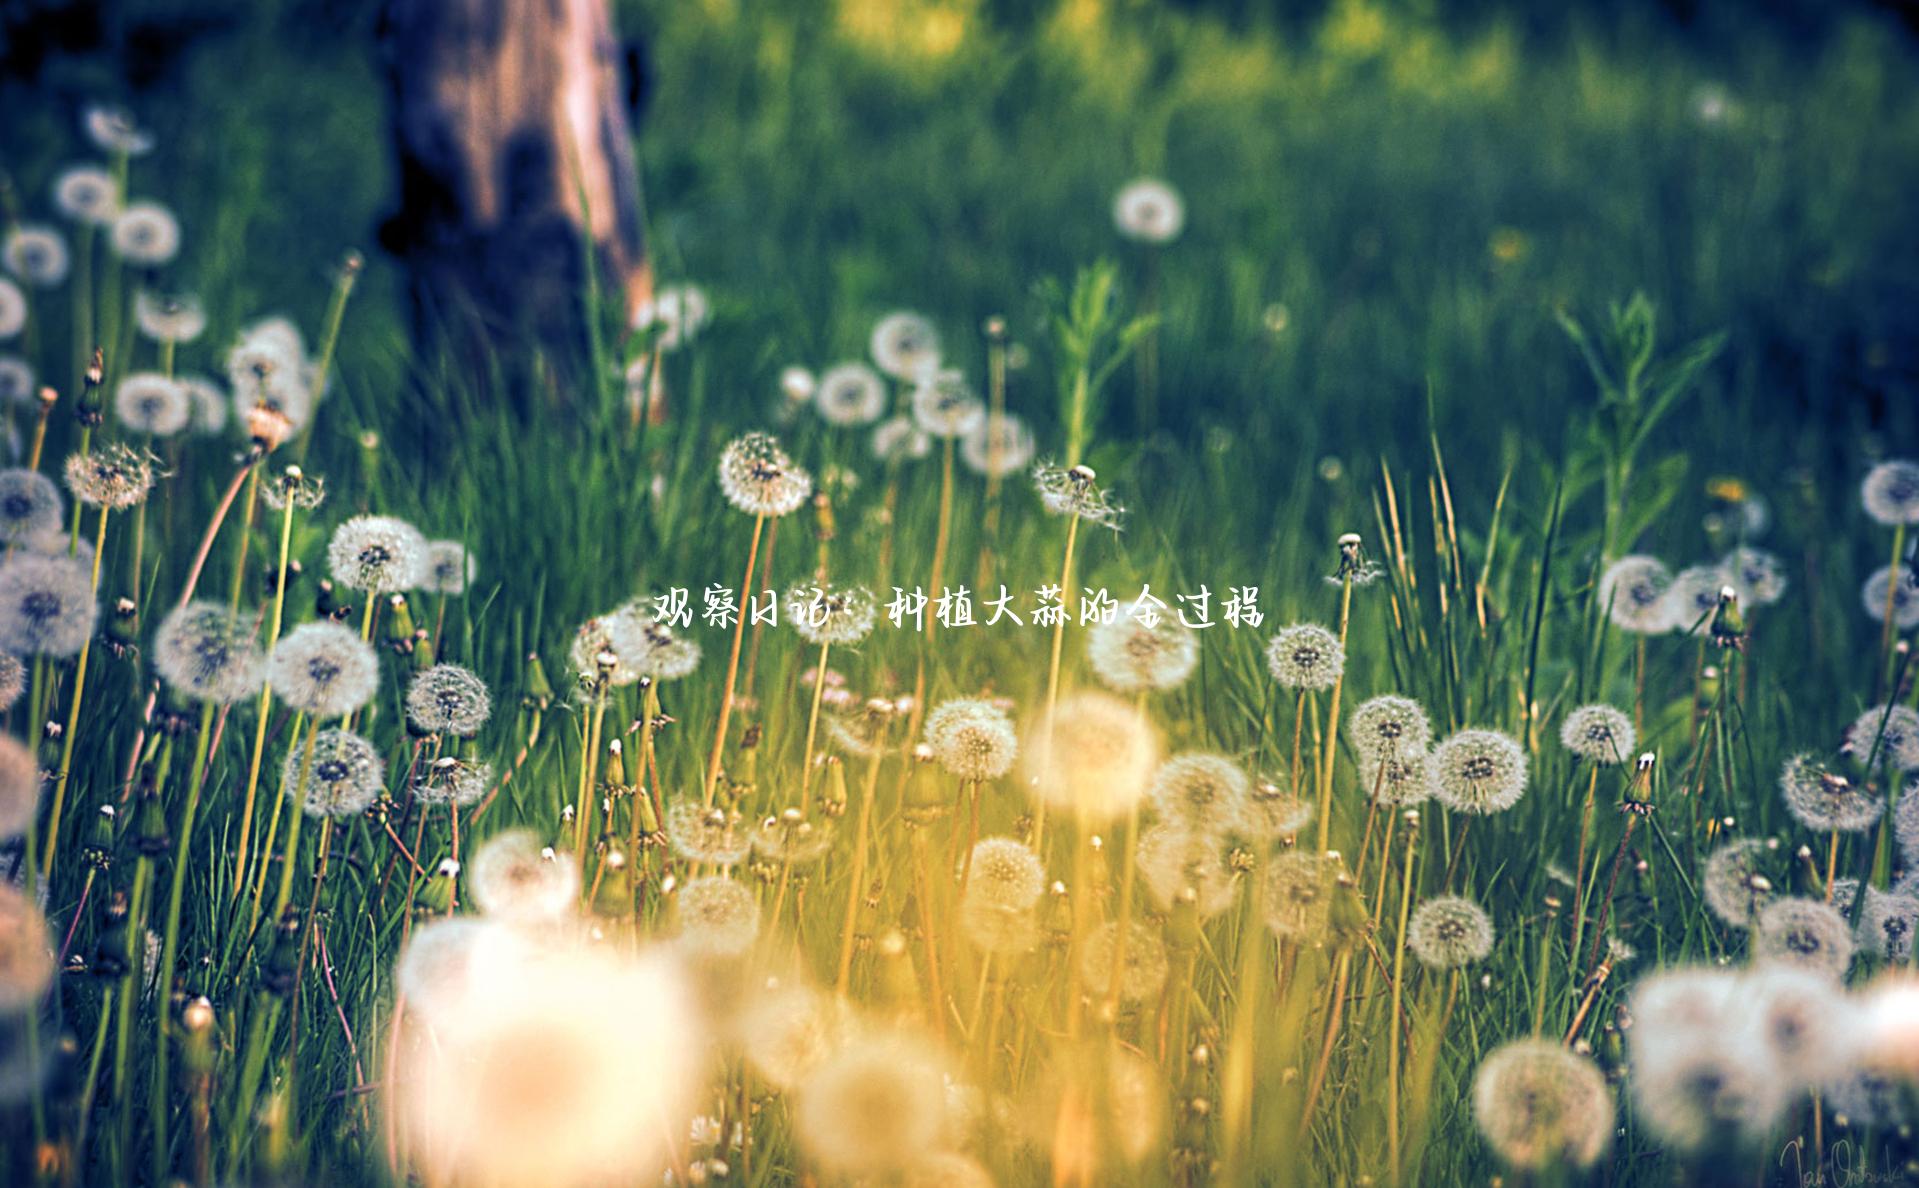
pixel 733 662
pixel 65 775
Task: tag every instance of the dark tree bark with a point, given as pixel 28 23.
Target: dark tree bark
pixel 515 158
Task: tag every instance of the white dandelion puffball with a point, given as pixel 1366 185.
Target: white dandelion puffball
pixel 972 738
pixel 1298 893
pixel 1128 656
pixel 446 960
pixel 711 834
pixel 1203 794
pixel 323 669
pixel 169 319
pixel 1305 656
pixel 1694 596
pixel 900 439
pixel 450 568
pixel 1822 799
pixel 1397 781
pixel 30 505
pixel 1804 933
pixel 1885 735
pixel 1890 492
pixel 341 779
pixel 1094 757
pixel 26 951
pixel 13 309
pixel 47 607
pixel 1599 733
pixel 998 446
pixel 833 615
pixel 758 478
pixel 1808 1023
pixel 1886 925
pixel 1149 210
pixel 1478 771
pixel 1174 862
pixel 850 394
pixel 20 780
pixel 514 876
pixel 719 917
pixel 680 312
pixel 1390 725
pixel 115 130
pixel 87 194
pixel 207 651
pixel 16 381
pixel 111 476
pixel 875 1106
pixel 448 699
pixel 1735 884
pixel 905 346
pixel 1005 873
pixel 1633 593
pixel 377 554
pixel 146 233
pixel 1073 491
pixel 944 407
pixel 151 403
pixel 528 1079
pixel 1897 589
pixel 1541 1105
pixel 37 254
pixel 1448 931
pixel 1759 577
pixel 1704 1087
pixel 1143 965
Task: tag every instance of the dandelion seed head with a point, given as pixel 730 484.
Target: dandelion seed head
pixel 1448 931
pixel 448 699
pixel 1757 576
pixel 13 680
pixel 788 1032
pixel 167 318
pixel 1735 884
pixel 1102 752
pixel 900 439
pixel 1000 446
pixel 1478 771
pixel 269 383
pixel 47 607
pixel 87 194
pixel 719 917
pixel 115 130
pixel 1633 591
pixel 1074 491
pixel 1005 873
pixel 1867 1097
pixel 758 477
pixel 323 669
pixel 905 346
pixel 37 254
pixel 1886 925
pixel 1202 793
pixel 1149 210
pixel 1541 1105
pixel 449 568
pixel 113 476
pixel 1173 861
pixel 26 951
pixel 1904 585
pixel 151 403
pixel 945 407
pixel 1299 893
pixel 1890 492
pixel 1885 735
pixel 1803 1019
pixel 706 833
pixel 30 505
pixel 1305 656
pixel 1703 1087
pixel 1129 657
pixel 377 554
pixel 16 381
pixel 1822 799
pixel 791 838
pixel 1390 725
pixel 516 877
pixel 972 738
pixel 1905 824
pixel 1599 733
pixel 207 651
pixel 345 776
pixel 875 1106
pixel 454 781
pixel 848 394
pixel 146 233
pixel 1397 781
pixel 1143 965
pixel 13 309
pixel 446 960
pixel 680 312
pixel 1694 596
pixel 1804 933
pixel 834 615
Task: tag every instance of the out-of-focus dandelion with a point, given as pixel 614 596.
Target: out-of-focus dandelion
pixel 26 951
pixel 944 407
pixel 207 651
pixel 679 312
pixel 448 699
pixel 1758 576
pixel 1890 493
pixel 37 254
pixel 86 194
pixel 905 346
pixel 835 615
pixel 875 1106
pixel 1142 966
pixel 20 780
pixel 1822 799
pixel 1633 591
pixel 1693 597
pixel 849 394
pixel 449 568
pixel 1804 1020
pixel 1886 925
pixel 1102 753
pixel 1894 588
pixel 13 680
pixel 1803 933
pixel 30 505
pixel 1075 491
pixel 1478 771
pixel 900 439
pixel 1174 861
pixel 712 835
pixel 13 309
pixel 999 446
pixel 1540 1105
pixel 719 917
pixel 16 381
pixel 1598 733
pixel 146 233
pixel 47 607
pixel 453 781
pixel 1202 793
pixel 169 318
pixel 1149 210
pixel 1698 1088
pixel 1299 893
pixel 1734 882
pixel 343 778
pixel 151 403
pixel 515 877
pixel 1130 656
pixel 1305 656
pixel 1885 735
pixel 323 669
pixel 115 130
pixel 1448 931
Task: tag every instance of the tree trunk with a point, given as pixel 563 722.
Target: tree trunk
pixel 515 157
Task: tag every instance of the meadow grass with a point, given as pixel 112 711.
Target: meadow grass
pixel 1431 343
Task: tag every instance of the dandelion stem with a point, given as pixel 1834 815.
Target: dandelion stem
pixel 1332 718
pixel 65 775
pixel 733 661
pixel 266 702
pixel 857 876
pixel 1394 1164
pixel 170 944
pixel 1052 677
pixel 812 729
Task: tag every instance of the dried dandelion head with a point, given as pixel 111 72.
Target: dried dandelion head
pixel 1390 725
pixel 1298 893
pixel 1075 491
pixel 707 833
pixel 1005 873
pixel 1886 735
pixel 1804 933
pixel 114 477
pixel 719 917
pixel 1142 966
pixel 1541 1105
pixel 1202 793
pixel 1734 884
pixel 1823 799
pixel 30 505
pixel 47 607
pixel 836 615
